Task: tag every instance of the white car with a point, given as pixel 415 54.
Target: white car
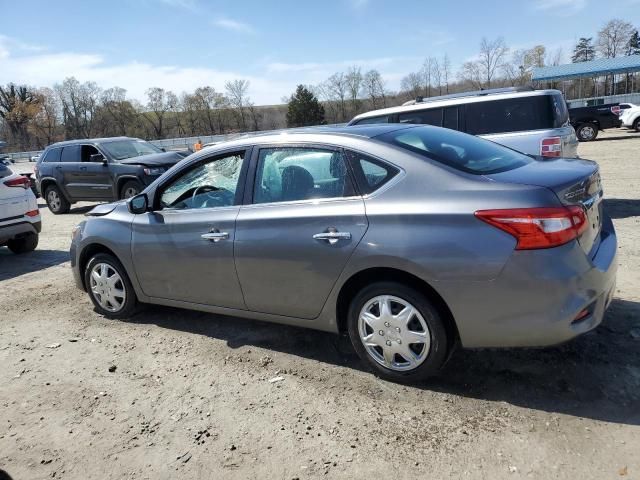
pixel 631 118
pixel 20 221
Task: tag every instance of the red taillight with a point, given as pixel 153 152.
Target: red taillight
pixel 615 110
pixel 538 227
pixel 551 147
pixel 32 213
pixel 23 182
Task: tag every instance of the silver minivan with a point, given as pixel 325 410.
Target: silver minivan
pixel 535 122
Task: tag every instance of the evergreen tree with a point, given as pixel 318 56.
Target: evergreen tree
pixel 633 47
pixel 304 109
pixel 584 50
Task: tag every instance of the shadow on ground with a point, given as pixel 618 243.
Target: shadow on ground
pixel 82 209
pixel 595 376
pixel 621 135
pixel 12 265
pixel 622 208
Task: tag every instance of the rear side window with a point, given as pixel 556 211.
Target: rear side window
pixel 559 109
pixel 373 120
pixel 71 154
pixel 510 115
pixel 53 155
pixel 432 116
pixel 450 119
pixel 371 174
pixel 457 150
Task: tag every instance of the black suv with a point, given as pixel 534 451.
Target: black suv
pixel 101 169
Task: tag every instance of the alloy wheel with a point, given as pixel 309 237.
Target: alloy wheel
pixel 130 192
pixel 107 287
pixel 54 200
pixel 394 333
pixel 587 132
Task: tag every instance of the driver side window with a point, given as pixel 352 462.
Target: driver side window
pixel 209 185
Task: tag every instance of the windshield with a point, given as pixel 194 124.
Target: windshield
pixel 458 150
pixel 122 149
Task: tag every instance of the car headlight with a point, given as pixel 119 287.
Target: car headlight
pixel 154 171
pixel 75 231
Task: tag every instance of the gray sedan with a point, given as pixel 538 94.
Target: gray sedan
pixel 411 239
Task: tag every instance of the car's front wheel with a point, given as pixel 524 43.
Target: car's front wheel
pixel 397 331
pixel 130 189
pixel 109 287
pixel 587 132
pixel 24 244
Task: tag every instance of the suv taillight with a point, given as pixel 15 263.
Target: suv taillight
pixel 23 182
pixel 538 227
pixel 616 109
pixel 551 147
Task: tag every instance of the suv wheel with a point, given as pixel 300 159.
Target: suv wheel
pixel 397 331
pixel 587 132
pixel 636 124
pixel 55 200
pixel 130 189
pixel 23 244
pixel 109 287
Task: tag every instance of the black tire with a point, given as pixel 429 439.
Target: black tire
pixel 587 132
pixel 23 244
pixel 56 201
pixel 636 124
pixel 130 188
pixel 435 356
pixel 130 304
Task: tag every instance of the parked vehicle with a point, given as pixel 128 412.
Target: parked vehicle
pixel 630 118
pixel 535 122
pixel 412 239
pixel 20 221
pixel 588 121
pixel 34 158
pixel 102 169
pixel 625 106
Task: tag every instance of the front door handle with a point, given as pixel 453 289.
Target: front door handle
pixel 215 235
pixel 332 235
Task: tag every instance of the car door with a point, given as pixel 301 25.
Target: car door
pixel 68 172
pixel 183 249
pixel 94 174
pixel 302 222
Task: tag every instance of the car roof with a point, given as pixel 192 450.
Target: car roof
pixel 84 141
pixel 447 100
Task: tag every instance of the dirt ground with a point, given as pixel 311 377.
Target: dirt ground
pixel 179 394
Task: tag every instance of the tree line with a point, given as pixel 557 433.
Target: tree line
pixel 32 118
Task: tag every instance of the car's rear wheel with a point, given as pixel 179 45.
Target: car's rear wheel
pixel 24 244
pixel 56 201
pixel 636 124
pixel 109 287
pixel 587 132
pixel 130 189
pixel 397 331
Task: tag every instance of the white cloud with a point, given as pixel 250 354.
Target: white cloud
pixel 561 8
pixel 234 25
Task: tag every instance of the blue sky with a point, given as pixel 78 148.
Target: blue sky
pixel 183 44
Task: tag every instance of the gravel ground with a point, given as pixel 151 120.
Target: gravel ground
pixel 179 394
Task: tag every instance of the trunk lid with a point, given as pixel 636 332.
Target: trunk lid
pixel 575 182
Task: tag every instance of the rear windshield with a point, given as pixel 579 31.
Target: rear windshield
pixel 458 150
pixel 519 114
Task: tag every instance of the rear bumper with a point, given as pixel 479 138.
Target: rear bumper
pixel 536 299
pixel 18 229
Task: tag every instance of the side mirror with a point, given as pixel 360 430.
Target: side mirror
pixel 163 149
pixel 98 158
pixel 138 204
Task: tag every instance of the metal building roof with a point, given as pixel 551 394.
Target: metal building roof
pixel 599 67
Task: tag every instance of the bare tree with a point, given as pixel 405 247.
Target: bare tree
pixel 237 94
pixel 211 103
pixel 471 72
pixel 46 121
pixel 412 85
pixel 437 75
pixel 427 74
pixel 159 102
pixel 79 102
pixel 613 38
pixel 354 79
pixel 337 90
pixel 18 106
pixel 492 55
pixel 446 70
pixel 374 89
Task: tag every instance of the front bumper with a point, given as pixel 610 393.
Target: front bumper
pixel 536 299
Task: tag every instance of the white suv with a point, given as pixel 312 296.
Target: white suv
pixel 20 221
pixel 631 118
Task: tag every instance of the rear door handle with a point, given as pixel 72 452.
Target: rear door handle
pixel 332 235
pixel 83 168
pixel 215 236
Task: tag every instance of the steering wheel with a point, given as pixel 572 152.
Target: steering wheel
pixel 205 189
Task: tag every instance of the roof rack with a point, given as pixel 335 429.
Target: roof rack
pixel 477 93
